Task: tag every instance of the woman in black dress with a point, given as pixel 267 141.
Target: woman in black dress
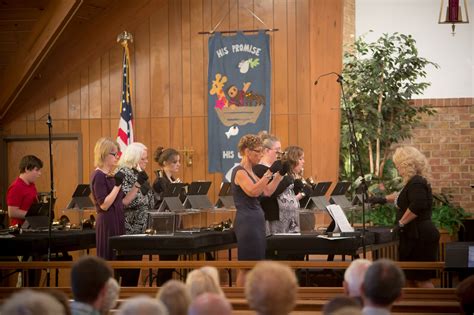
pixel 418 235
pixel 247 187
pixel 169 162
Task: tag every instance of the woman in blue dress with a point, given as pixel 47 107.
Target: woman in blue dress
pixel 247 187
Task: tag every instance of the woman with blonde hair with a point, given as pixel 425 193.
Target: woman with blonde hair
pixel 132 164
pixel 418 235
pixel 108 196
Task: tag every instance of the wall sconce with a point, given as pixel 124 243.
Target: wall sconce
pixel 454 14
pixel 187 156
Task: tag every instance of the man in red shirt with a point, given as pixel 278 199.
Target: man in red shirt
pixel 22 192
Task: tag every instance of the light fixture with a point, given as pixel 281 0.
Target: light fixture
pixel 453 13
pixel 188 155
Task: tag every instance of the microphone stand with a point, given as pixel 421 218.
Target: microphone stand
pixel 49 122
pixel 353 149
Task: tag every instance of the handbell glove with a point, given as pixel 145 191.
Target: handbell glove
pixel 142 177
pixel 377 200
pixel 276 166
pixel 285 167
pixel 119 177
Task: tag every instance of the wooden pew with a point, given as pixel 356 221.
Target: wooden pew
pixel 309 299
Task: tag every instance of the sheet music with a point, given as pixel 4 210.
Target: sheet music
pixel 339 218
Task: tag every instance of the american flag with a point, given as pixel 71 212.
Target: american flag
pixel 125 130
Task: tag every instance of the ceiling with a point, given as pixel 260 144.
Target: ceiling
pixel 29 29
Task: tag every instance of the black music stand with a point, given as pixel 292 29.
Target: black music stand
pixel 226 200
pixel 318 200
pixel 37 216
pixel 196 196
pixel 338 195
pixel 171 199
pixel 80 198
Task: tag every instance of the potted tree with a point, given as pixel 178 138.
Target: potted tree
pixel 380 79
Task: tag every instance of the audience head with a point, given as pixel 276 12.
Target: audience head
pixel 199 282
pixel 383 283
pixel 354 276
pixel 341 303
pixel 465 294
pixel 134 155
pixel 294 156
pixel 270 288
pixel 142 305
pixel 175 296
pixel 210 304
pixel 167 158
pixel 106 152
pixel 271 146
pixel 409 162
pixel 214 274
pixel 32 303
pixel 62 298
pixel 90 281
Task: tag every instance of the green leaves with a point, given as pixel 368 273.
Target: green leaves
pixel 447 215
pixel 381 78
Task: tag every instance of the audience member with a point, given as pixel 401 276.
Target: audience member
pixel 270 288
pixel 93 287
pixel 354 277
pixel 175 296
pixel 32 303
pixel 465 294
pixel 62 298
pixel 142 305
pixel 199 282
pixel 383 283
pixel 341 304
pixel 210 304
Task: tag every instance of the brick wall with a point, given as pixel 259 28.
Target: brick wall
pixel 447 140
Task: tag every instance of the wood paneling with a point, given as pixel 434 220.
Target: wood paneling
pixel 169 72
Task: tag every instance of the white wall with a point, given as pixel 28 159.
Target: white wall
pixel 454 54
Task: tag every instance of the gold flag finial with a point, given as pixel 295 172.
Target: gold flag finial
pixel 124 37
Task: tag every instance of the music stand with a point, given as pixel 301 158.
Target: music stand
pixel 37 216
pixel 318 200
pixel 196 197
pixel 171 199
pixel 338 195
pixel 80 198
pixel 226 200
pixel 357 201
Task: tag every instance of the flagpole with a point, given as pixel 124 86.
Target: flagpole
pixel 125 133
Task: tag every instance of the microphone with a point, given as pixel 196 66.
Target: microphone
pixel 339 77
pixel 49 122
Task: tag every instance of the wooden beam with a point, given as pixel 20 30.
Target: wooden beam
pixel 33 50
pixel 220 264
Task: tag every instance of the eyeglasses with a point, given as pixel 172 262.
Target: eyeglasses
pixel 114 154
pixel 257 151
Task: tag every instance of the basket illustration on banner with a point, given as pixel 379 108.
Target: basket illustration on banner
pixel 236 106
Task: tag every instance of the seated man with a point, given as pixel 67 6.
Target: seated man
pixel 94 289
pixel 354 277
pixel 270 288
pixel 383 283
pixel 22 192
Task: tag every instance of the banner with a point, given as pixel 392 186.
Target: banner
pixel 239 80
